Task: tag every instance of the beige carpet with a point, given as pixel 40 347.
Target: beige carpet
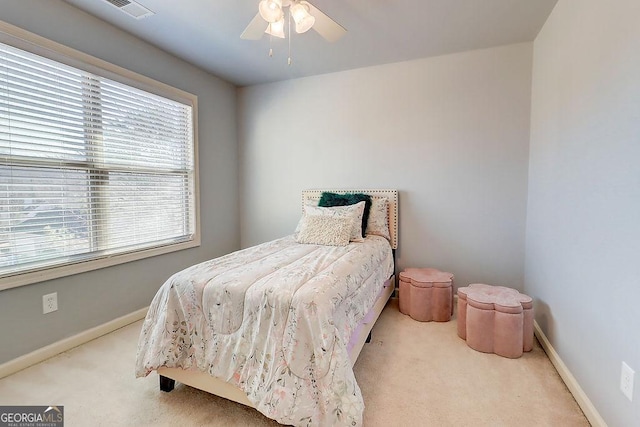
pixel 411 374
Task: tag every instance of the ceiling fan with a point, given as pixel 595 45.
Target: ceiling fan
pixel 270 19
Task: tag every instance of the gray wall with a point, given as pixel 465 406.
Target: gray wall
pixel 451 133
pixel 90 299
pixel 583 219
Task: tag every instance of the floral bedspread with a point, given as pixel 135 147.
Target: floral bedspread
pixel 274 320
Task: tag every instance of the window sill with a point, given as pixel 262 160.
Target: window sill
pixel 82 267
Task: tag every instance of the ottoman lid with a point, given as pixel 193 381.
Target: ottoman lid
pixel 410 271
pixel 405 276
pixel 427 277
pixel 499 298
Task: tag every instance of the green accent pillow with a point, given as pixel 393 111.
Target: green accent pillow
pixel 333 199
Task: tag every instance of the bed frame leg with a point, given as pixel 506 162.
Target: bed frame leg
pixel 368 338
pixel 167 384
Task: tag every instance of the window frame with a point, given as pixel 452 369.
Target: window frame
pixel 27 41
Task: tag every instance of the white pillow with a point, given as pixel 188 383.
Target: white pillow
pixel 378 222
pixel 325 230
pixel 353 212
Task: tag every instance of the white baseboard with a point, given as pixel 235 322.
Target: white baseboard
pixel 61 346
pixel 579 395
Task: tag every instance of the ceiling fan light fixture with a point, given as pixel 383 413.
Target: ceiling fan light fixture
pixel 305 24
pixel 303 19
pixel 271 10
pixel 276 28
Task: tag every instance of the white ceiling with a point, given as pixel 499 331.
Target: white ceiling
pixel 207 33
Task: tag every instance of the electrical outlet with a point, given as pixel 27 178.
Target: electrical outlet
pixel 49 303
pixel 626 381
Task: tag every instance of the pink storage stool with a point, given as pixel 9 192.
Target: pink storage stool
pixel 495 319
pixel 426 294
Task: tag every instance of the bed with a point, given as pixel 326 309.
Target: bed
pixel 277 326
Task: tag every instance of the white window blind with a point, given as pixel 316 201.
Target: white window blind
pixel 89 167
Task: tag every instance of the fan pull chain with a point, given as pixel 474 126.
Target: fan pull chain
pixel 289 60
pixel 270 39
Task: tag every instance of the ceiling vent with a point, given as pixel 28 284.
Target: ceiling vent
pixel 131 8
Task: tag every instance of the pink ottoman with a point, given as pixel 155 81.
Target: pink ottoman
pixel 495 319
pixel 426 294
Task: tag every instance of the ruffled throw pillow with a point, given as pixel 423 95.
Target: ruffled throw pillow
pixel 325 230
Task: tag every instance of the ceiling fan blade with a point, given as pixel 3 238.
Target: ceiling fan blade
pixel 255 29
pixel 325 26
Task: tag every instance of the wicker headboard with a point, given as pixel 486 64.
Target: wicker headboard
pixel 391 195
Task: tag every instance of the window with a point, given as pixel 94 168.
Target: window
pixel 91 169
